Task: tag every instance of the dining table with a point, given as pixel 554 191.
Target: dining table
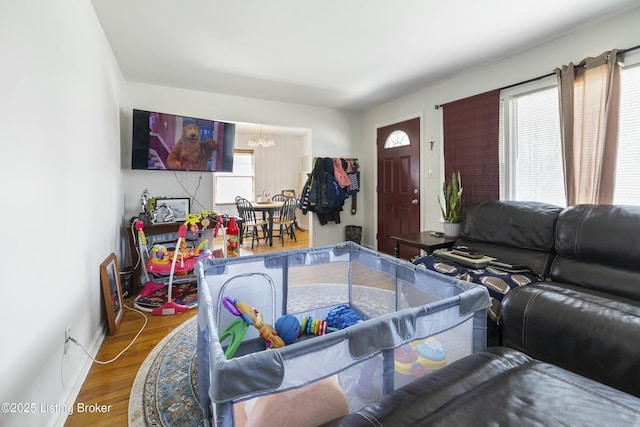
pixel 268 208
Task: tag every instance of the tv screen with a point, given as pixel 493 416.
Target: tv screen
pixel 163 141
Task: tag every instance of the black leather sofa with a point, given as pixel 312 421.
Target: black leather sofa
pixel 571 353
pixel 518 232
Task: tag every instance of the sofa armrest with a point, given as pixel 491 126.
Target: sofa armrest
pixel 414 402
pixel 585 331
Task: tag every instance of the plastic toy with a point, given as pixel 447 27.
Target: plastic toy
pixel 233 244
pixel 415 359
pixel 311 326
pixel 411 361
pixel 288 328
pixel 236 331
pixel 159 255
pixel 342 317
pixel 253 317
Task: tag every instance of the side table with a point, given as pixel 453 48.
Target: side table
pixel 423 240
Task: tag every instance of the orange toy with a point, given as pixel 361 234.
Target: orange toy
pixel 254 317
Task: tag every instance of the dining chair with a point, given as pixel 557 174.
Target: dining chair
pixel 292 193
pixel 278 198
pixel 286 220
pixel 250 222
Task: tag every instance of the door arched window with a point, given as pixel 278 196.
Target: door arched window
pixel 397 138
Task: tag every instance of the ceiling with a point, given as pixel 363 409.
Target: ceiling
pixel 346 54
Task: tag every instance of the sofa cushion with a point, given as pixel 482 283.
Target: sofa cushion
pixel 518 232
pixel 527 225
pixel 596 249
pixel 580 329
pixel 499 386
pixel 497 282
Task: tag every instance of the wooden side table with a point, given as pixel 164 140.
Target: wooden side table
pixel 422 240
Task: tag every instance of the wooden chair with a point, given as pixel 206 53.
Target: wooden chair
pixel 292 193
pixel 286 220
pixel 250 223
pixel 279 198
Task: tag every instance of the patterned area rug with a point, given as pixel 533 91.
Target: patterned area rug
pixel 165 391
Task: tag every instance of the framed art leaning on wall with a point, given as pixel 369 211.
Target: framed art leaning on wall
pixel 110 279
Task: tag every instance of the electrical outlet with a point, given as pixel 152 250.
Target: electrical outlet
pixel 67 336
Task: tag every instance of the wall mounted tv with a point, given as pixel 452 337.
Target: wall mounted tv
pixel 163 141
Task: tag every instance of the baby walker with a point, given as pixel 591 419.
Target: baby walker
pixel 181 261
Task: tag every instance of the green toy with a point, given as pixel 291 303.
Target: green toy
pixel 236 330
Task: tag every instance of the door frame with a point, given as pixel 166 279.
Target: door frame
pixel 417 115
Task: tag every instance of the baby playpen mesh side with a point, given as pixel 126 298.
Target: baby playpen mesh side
pixel 405 309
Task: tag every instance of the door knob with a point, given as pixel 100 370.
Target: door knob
pixel 414 202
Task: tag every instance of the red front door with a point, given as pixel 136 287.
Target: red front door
pixel 398 149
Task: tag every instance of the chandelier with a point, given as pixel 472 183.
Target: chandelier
pixel 261 141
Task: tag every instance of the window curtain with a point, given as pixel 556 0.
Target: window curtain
pixel 589 96
pixel 471 132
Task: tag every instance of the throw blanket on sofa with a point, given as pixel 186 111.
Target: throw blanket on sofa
pixel 498 282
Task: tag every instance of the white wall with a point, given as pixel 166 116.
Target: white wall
pixel 334 133
pixel 62 197
pixel 618 32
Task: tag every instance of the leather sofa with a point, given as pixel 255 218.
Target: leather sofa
pixel 517 232
pixel 571 341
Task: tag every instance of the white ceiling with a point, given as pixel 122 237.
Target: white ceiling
pixel 348 54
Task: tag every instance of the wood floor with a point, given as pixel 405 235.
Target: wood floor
pixel 111 384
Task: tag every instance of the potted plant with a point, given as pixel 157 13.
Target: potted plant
pixel 451 207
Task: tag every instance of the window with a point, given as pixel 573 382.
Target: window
pixel 397 138
pixel 530 152
pixel 627 189
pixel 530 148
pixel 240 182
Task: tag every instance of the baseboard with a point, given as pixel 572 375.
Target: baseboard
pixel 69 398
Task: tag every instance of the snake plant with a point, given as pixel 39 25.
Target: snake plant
pixel 452 193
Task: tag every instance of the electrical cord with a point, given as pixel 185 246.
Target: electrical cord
pixel 146 320
pixel 193 196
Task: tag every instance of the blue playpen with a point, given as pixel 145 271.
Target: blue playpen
pixel 365 324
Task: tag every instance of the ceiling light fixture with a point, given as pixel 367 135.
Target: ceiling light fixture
pixel 261 141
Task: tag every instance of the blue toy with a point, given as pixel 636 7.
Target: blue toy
pixel 288 328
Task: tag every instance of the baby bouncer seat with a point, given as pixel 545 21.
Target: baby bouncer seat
pixel 164 265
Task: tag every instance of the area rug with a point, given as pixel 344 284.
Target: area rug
pixel 165 391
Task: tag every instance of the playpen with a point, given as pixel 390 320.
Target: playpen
pixel 412 321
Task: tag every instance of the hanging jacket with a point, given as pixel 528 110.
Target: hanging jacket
pixel 340 174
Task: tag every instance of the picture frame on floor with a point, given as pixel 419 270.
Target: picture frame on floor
pixel 112 291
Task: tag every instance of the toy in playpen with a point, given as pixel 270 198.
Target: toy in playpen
pixel 251 316
pixel 287 327
pixel 180 261
pixel 411 361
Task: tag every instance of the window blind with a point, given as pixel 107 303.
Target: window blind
pixel 470 128
pixel 627 189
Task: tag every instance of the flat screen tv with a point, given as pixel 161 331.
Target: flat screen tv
pixel 163 141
